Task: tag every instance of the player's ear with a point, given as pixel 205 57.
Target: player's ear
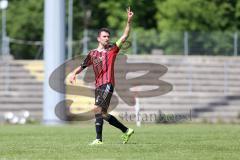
pixel 98 39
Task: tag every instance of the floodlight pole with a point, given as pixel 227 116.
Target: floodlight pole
pixel 70 28
pixel 3 6
pixel 54 51
pixel 5 44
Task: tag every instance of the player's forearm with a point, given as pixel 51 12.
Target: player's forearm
pixel 126 31
pixel 128 26
pixel 77 70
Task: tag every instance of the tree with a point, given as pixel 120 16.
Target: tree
pixel 196 15
pixel 25 22
pixel 199 18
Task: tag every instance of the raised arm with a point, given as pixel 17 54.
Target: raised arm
pixel 127 29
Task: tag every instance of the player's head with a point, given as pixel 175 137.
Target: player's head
pixel 103 37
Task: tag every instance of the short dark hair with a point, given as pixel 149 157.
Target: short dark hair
pixel 103 30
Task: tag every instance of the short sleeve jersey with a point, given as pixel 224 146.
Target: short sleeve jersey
pixel 103 64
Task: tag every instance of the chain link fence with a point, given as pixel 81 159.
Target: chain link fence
pixel 172 43
pixel 142 42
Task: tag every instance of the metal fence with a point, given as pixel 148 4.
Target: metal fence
pixel 171 43
pixel 143 42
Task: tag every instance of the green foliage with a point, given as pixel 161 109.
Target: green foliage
pixel 172 42
pixel 157 23
pixel 195 15
pixel 25 22
pixel 211 24
pixel 216 43
pixel 199 43
pixel 116 16
pixel 147 40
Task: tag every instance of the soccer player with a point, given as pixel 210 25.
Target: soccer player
pixel 102 58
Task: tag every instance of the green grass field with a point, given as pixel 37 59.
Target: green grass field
pixel 182 141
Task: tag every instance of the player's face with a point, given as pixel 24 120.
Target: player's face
pixel 104 38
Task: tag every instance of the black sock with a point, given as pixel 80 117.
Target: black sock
pixel 99 126
pixel 114 122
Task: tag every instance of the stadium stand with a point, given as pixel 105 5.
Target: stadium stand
pixel 206 87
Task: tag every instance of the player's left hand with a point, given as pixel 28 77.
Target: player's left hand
pixel 130 14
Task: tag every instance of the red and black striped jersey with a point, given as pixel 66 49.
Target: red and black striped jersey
pixel 103 64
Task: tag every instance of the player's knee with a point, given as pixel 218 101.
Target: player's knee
pixel 105 116
pixel 97 110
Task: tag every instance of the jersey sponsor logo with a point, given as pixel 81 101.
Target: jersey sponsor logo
pixel 97 60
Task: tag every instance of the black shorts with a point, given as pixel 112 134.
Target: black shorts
pixel 103 95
